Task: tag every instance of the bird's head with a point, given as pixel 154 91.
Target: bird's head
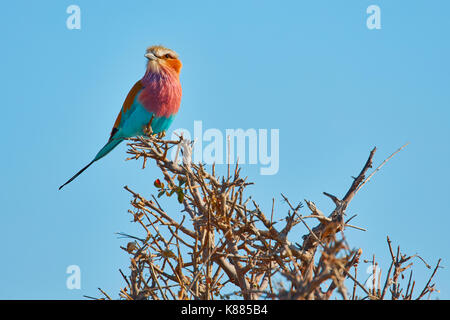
pixel 162 59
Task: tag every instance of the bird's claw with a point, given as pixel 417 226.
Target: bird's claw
pixel 162 134
pixel 148 131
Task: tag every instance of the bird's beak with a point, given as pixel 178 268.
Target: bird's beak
pixel 150 56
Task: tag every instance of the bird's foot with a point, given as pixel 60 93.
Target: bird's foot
pixel 148 131
pixel 161 135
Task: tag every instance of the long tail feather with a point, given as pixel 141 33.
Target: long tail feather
pixel 107 148
pixel 103 152
pixel 77 174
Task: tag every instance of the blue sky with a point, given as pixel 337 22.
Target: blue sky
pixel 311 69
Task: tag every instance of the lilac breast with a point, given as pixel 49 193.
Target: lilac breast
pixel 161 93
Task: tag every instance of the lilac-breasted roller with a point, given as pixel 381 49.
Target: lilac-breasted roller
pixel 156 98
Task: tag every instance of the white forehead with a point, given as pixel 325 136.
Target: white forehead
pixel 160 51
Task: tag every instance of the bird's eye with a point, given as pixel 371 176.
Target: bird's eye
pixel 167 56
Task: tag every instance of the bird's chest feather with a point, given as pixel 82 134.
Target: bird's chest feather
pixel 161 96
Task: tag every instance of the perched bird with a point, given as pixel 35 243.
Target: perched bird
pixel 153 99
